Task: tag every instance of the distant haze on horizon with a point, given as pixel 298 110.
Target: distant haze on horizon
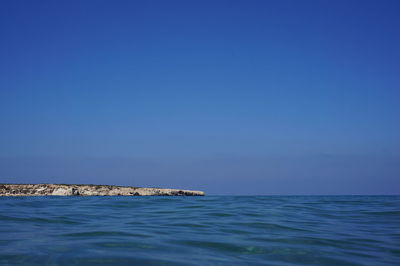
pixel 229 97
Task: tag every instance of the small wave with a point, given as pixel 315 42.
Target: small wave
pixel 120 260
pixel 271 226
pixel 184 225
pixel 223 246
pixel 37 220
pixel 383 213
pixel 103 233
pixel 124 245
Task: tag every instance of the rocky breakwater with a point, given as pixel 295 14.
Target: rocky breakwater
pixel 89 190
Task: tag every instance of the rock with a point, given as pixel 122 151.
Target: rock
pixel 62 192
pixel 75 192
pixel 89 190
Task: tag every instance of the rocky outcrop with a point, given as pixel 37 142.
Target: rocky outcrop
pixel 89 190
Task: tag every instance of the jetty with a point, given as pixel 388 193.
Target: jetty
pixel 89 190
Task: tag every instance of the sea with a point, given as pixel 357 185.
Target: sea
pixel 210 230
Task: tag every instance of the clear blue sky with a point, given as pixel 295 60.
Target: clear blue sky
pixel 230 97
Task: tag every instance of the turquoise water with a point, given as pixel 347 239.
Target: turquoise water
pixel 211 230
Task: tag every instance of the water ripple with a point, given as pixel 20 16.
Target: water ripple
pixel 212 230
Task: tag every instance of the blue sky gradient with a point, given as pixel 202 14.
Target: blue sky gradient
pixel 231 97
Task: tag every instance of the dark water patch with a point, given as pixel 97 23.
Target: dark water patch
pixel 222 246
pixel 220 214
pixel 24 259
pixel 312 241
pixel 235 232
pixel 101 260
pixel 395 251
pixel 188 225
pixel 103 234
pixel 382 213
pixel 269 226
pixel 192 207
pixel 124 245
pixel 251 214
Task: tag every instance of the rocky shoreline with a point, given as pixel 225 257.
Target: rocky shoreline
pixel 89 190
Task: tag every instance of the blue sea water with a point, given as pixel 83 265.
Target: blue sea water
pixel 211 230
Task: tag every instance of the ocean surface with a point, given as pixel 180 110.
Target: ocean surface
pixel 210 230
